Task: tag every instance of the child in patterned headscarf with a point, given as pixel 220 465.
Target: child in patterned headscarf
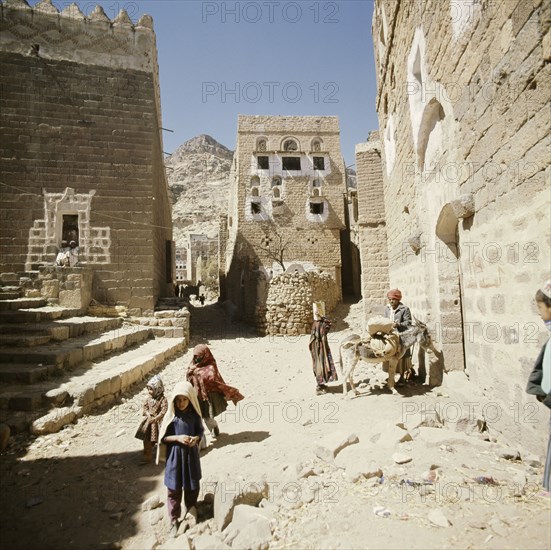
pixel 154 410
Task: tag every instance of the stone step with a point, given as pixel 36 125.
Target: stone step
pixel 9 278
pixel 23 340
pixel 22 398
pixel 10 292
pixel 21 303
pixel 64 328
pixel 37 315
pixel 10 295
pixel 25 373
pixel 68 354
pixel 88 386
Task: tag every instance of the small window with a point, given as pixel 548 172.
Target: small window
pixel 276 193
pixel 316 183
pixel 276 180
pixel 255 181
pixel 316 146
pixel 254 192
pixel 290 145
pixel 315 192
pixel 291 163
pixel 255 208
pixel 316 208
pixel 319 163
pixel 263 163
pixel 261 145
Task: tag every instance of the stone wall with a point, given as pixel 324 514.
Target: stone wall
pixel 284 221
pixel 372 226
pixel 81 126
pixel 67 286
pixel 463 102
pixel 289 302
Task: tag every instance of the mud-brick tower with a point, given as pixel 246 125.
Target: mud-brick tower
pixel 81 148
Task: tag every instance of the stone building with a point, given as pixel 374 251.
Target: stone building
pixel 81 149
pixel 463 103
pixel 369 225
pixel 200 249
pixel 286 208
pixel 181 264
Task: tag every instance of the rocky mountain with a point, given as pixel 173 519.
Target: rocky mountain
pixel 198 178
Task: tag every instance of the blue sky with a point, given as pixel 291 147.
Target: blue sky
pixel 220 59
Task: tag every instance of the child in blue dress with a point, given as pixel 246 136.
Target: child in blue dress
pixel 180 437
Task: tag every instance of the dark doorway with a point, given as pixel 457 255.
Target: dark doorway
pixel 70 228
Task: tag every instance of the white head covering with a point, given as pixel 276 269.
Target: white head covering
pixel 156 384
pixel 546 288
pixel 319 310
pixel 181 388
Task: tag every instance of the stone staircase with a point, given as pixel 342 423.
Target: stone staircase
pixel 57 363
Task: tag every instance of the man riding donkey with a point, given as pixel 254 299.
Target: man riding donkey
pixel 400 315
pixel 388 341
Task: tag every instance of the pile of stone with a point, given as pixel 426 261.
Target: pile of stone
pixel 290 299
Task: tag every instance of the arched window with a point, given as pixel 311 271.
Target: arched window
pixel 290 145
pixel 276 192
pixel 316 183
pixel 276 180
pixel 316 145
pixel 254 192
pixel 261 145
pixel 255 181
pixel 315 192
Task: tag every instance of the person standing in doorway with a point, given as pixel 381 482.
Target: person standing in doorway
pixel 73 253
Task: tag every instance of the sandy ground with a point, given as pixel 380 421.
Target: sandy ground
pixel 84 486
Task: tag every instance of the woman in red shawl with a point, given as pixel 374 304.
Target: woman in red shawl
pixel 211 389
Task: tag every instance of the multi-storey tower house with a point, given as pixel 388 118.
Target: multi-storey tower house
pixel 286 206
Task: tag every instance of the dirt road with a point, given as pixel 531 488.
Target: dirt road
pixel 444 486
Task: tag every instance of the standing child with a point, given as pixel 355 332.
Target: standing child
pixel 539 382
pixel 154 410
pixel 180 435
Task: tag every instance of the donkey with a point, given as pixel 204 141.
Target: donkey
pixel 352 349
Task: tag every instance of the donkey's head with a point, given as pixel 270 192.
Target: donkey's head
pixel 423 336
